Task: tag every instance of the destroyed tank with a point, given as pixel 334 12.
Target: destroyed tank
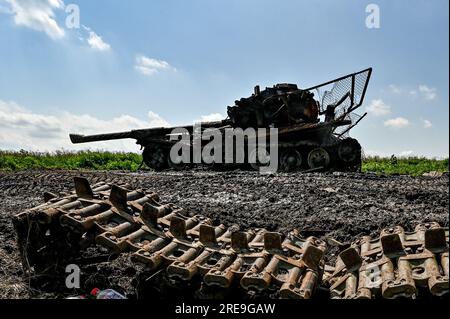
pixel 312 128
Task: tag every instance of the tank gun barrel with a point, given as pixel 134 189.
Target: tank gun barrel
pixel 141 135
pixel 77 138
pixel 138 135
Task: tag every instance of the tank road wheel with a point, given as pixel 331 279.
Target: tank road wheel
pixel 259 157
pixel 290 160
pixel 318 157
pixel 176 166
pixel 349 151
pixel 156 158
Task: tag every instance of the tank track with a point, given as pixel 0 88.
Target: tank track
pixel 342 155
pixel 335 155
pixel 192 251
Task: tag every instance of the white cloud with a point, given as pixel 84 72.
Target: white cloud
pixel 427 92
pixel 427 124
pixel 213 117
pixel 378 108
pixel 96 42
pixel 155 120
pixel 406 153
pixel 424 91
pixel 399 122
pixel 371 153
pixel 21 128
pixel 395 89
pixel 149 66
pixel 38 15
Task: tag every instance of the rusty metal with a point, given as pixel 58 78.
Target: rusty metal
pixel 397 264
pixel 163 238
pixel 294 112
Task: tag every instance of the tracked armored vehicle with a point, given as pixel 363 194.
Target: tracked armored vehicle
pixel 312 125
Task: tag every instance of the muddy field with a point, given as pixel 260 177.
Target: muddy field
pixel 339 205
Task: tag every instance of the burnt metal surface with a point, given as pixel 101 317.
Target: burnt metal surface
pixel 397 264
pixel 309 120
pixel 160 237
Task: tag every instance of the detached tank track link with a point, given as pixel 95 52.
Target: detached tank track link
pixel 191 251
pixel 397 264
pixel 159 236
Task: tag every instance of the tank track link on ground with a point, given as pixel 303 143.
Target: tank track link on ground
pixel 396 264
pixel 162 237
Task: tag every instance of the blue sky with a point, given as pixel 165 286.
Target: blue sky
pixel 144 63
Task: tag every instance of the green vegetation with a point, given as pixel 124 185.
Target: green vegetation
pixel 410 165
pixel 131 162
pixel 65 160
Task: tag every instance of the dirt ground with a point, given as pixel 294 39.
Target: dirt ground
pixel 340 205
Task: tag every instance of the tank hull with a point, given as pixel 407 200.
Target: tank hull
pixel 314 146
